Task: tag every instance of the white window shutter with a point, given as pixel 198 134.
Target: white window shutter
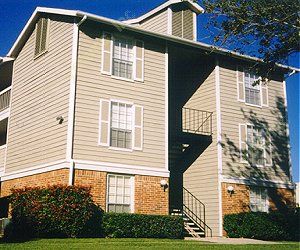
pixel 268 152
pixel 104 122
pixel 139 61
pixel 240 76
pixel 138 128
pixel 243 139
pixel 107 47
pixel 264 94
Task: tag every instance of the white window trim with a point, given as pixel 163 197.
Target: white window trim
pixel 113 38
pixel 267 198
pixel 132 124
pixel 260 94
pixel 264 149
pixel 132 190
pixel 47 39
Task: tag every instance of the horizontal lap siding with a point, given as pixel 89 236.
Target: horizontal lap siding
pixel 157 23
pixel 40 94
pixel 232 115
pixel 93 86
pixel 201 178
pixel 2 158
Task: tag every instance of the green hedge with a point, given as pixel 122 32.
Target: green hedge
pixel 263 226
pixel 142 226
pixel 57 211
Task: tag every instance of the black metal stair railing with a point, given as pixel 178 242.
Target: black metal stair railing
pixel 194 209
pixel 196 121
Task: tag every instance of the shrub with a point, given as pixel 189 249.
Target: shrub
pixel 57 211
pixel 263 226
pixel 142 226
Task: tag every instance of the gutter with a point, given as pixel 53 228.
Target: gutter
pixel 176 39
pixel 14 50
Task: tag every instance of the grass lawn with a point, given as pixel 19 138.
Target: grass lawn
pixel 125 244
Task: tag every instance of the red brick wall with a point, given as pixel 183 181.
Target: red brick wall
pixel 150 197
pixel 96 180
pixel 44 179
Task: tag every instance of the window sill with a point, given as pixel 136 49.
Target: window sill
pixel 121 149
pixel 253 105
pixel 40 55
pixel 122 79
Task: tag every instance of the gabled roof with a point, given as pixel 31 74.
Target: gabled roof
pixel 22 38
pixel 193 5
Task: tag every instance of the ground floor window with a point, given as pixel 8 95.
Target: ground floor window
pixel 120 193
pixel 259 201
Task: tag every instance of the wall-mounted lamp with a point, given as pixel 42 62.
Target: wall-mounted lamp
pixel 164 184
pixel 230 190
pixel 60 119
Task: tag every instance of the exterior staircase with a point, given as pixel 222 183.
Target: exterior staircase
pixel 193 214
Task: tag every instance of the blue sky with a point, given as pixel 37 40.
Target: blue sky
pixel 15 13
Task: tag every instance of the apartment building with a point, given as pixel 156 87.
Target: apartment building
pixel 153 120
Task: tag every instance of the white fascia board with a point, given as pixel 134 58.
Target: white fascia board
pixel 22 37
pixel 196 7
pixel 31 22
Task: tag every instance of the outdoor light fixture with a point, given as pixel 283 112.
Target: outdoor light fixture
pixel 230 189
pixel 60 119
pixel 164 184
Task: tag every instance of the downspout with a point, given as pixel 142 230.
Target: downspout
pixel 72 93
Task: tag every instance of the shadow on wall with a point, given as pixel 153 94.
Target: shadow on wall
pixel 240 163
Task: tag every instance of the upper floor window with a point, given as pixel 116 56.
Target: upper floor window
pixel 252 89
pixel 119 193
pixel 255 145
pixel 41 36
pixel 259 201
pixel 121 125
pixel 122 58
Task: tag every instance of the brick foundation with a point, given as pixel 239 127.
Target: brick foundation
pixel 239 201
pixel 279 199
pixel 96 180
pixel 149 196
pixel 44 179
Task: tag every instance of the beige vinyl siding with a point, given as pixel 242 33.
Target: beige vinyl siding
pixel 201 178
pixel 93 86
pixel 2 158
pixel 40 94
pixel 157 23
pixel 232 115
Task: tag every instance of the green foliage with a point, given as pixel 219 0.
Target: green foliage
pixel 256 26
pixel 263 226
pixel 142 226
pixel 56 211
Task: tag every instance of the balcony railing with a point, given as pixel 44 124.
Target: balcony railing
pixel 196 121
pixel 5 98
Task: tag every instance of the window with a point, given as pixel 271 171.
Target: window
pixel 122 58
pixel 252 92
pixel 259 199
pixel 41 36
pixel 258 146
pixel 121 125
pixel 119 193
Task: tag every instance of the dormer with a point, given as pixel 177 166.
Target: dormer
pixel 174 17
